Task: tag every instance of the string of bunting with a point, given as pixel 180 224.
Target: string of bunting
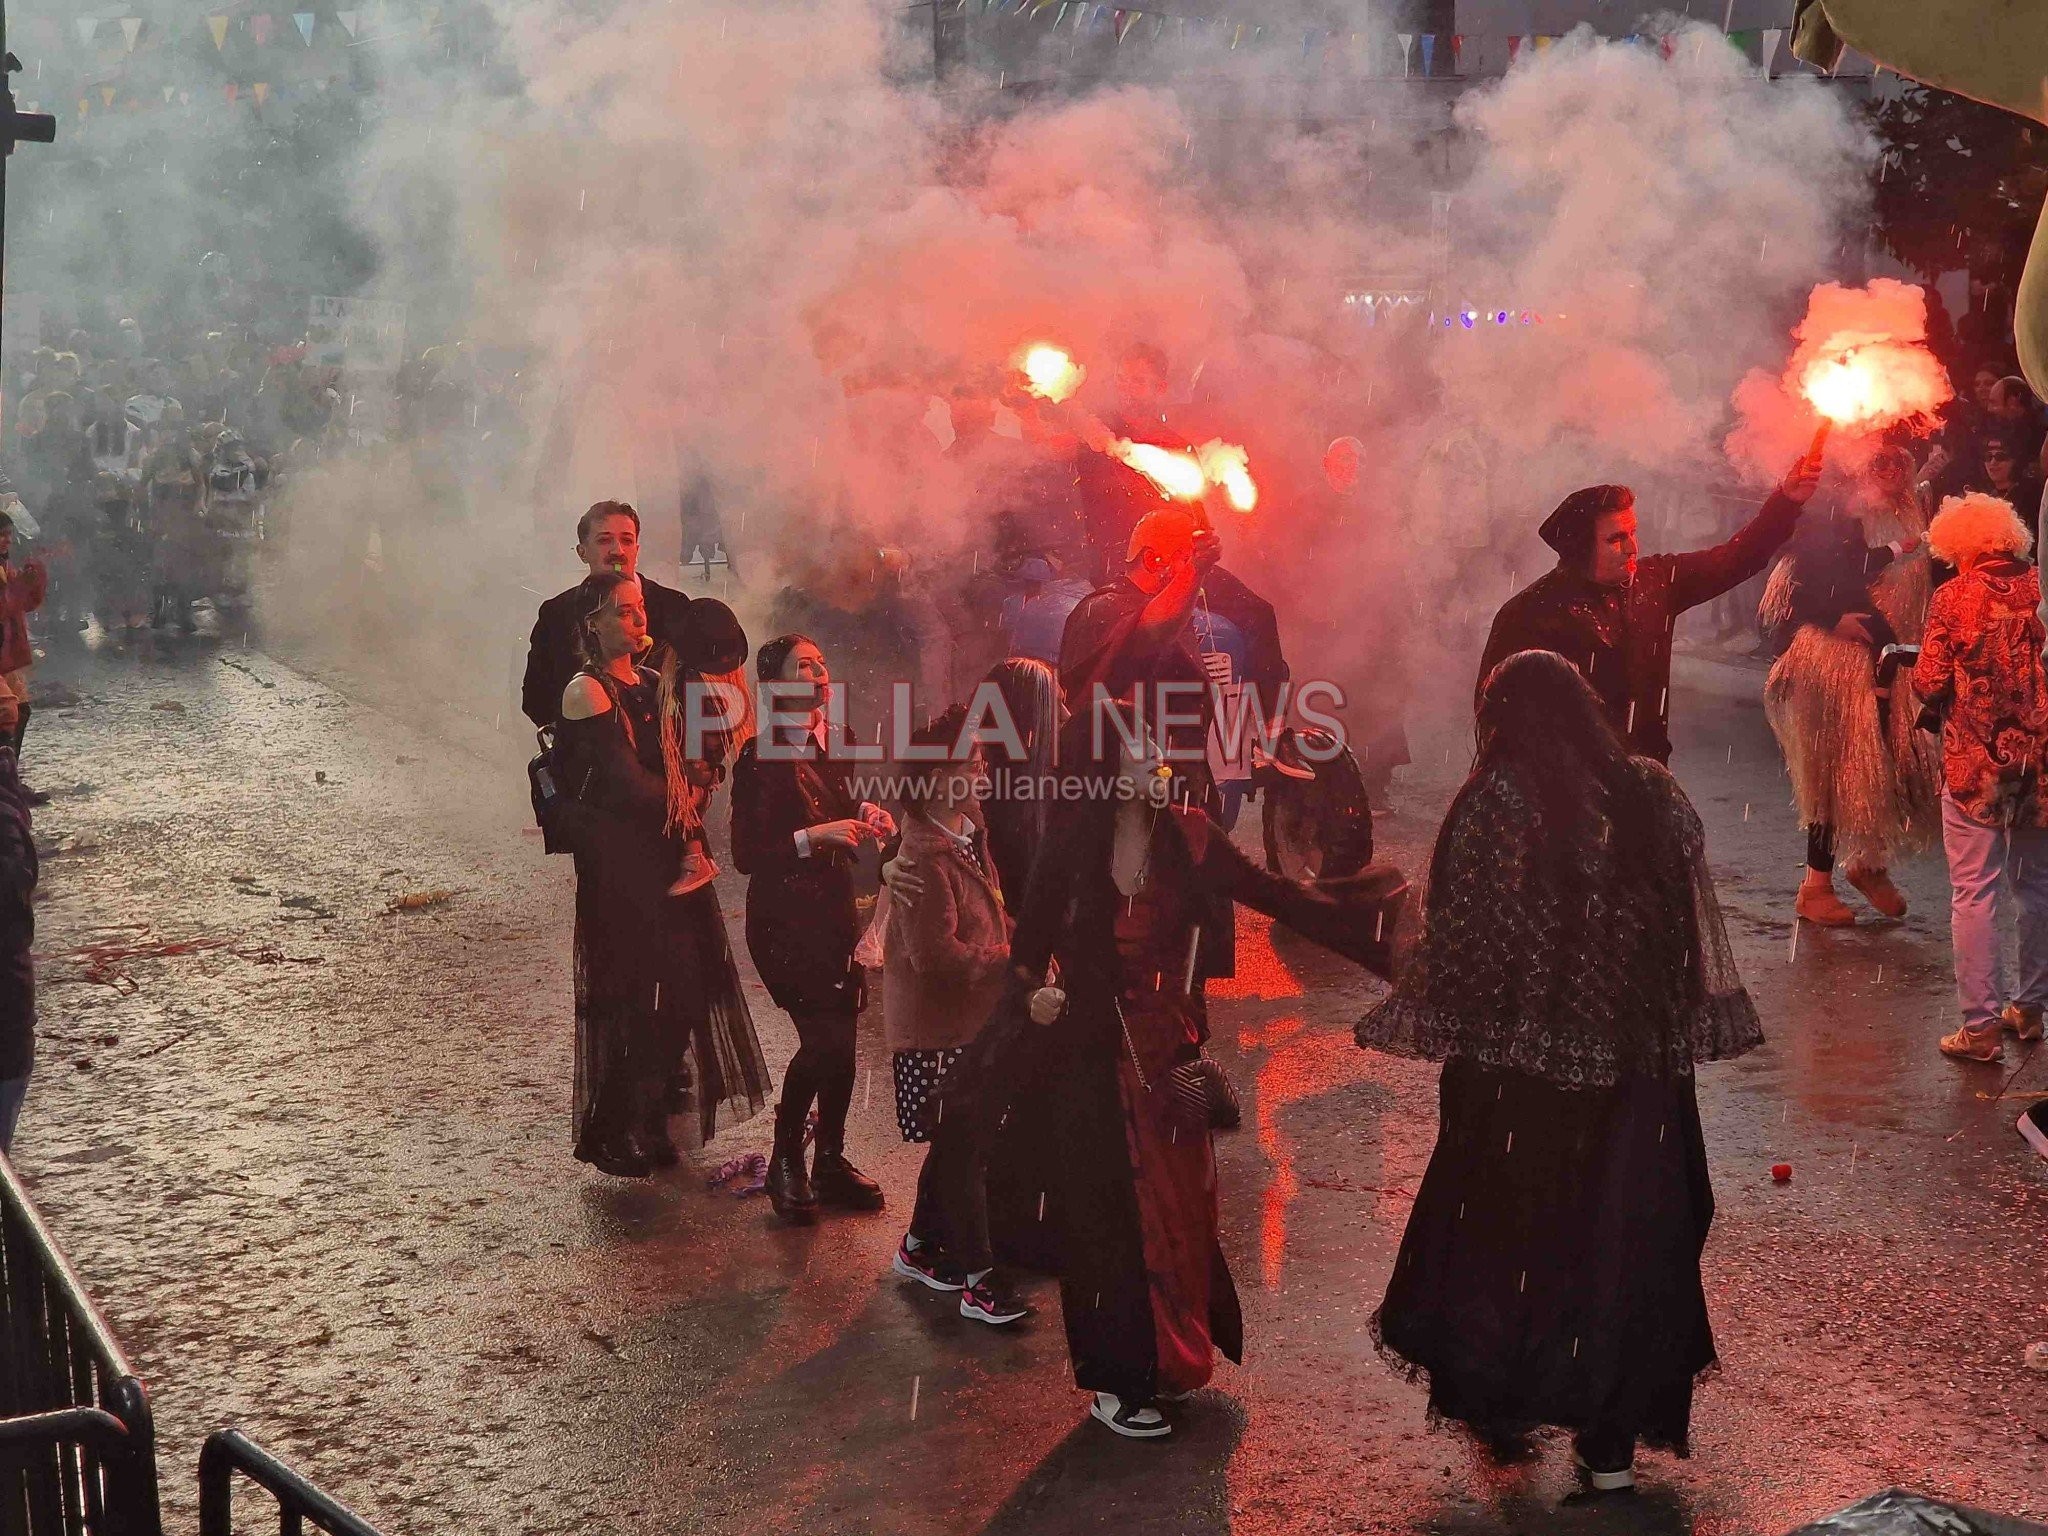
pixel 293 28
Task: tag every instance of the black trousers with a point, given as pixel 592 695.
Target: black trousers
pixel 1820 848
pixel 951 1213
pixel 821 1071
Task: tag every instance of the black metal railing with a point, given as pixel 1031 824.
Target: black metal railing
pixel 77 1443
pixel 299 1503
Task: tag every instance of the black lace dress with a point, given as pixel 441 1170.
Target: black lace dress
pixel 655 981
pixel 1571 972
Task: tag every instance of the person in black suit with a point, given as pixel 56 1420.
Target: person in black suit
pixel 795 831
pixel 607 539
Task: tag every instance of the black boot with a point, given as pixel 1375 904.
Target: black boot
pixel 788 1186
pixel 652 1136
pixel 34 797
pixel 616 1157
pixel 657 1147
pixel 838 1183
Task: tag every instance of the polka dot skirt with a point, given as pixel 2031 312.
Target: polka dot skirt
pixel 917 1078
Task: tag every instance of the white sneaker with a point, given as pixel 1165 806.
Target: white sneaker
pixel 1605 1482
pixel 1132 1423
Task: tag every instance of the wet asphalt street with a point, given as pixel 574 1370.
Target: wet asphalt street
pixel 308 1146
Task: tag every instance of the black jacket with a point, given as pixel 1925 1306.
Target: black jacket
pixel 802 923
pixel 17 926
pixel 552 657
pixel 1832 569
pixel 1620 637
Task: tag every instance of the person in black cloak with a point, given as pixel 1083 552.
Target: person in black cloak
pixel 1572 971
pixel 1611 614
pixel 655 978
pixel 1119 892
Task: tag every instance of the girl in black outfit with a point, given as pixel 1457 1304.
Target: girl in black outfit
pixel 795 830
pixel 654 974
pixel 1572 970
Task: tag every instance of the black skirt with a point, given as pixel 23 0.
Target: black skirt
pixel 1550 1272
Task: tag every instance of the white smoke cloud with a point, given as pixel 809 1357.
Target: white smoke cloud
pixel 746 246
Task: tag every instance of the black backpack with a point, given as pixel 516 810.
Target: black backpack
pixel 543 778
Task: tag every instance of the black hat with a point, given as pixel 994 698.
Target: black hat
pixel 711 640
pixel 1569 530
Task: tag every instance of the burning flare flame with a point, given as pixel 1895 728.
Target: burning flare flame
pixel 1226 465
pixel 1178 476
pixel 1862 361
pixel 1050 372
pixel 1867 383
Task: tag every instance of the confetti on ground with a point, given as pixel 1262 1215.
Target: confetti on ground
pixel 416 901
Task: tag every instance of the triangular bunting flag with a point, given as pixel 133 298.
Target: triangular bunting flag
pixel 1543 44
pixel 1772 37
pixel 233 90
pixel 1123 23
pixel 348 21
pixel 262 90
pixel 1666 44
pixel 1457 53
pixel 106 95
pixel 1040 5
pixel 1428 53
pixel 1064 4
pixel 84 106
pixel 184 98
pixel 1514 49
pixel 131 28
pixel 1407 47
pixel 88 28
pixel 1237 36
pixel 169 92
pixel 218 26
pixel 303 20
pixel 259 28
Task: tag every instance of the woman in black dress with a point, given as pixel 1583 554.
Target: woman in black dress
pixel 654 974
pixel 796 829
pixel 1572 970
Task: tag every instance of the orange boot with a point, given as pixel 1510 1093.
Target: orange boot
pixel 1877 888
pixel 1818 903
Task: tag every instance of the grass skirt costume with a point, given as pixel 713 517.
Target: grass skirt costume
pixel 1550 1270
pixel 1867 775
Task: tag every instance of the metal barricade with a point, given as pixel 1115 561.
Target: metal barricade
pixel 77 1443
pixel 299 1503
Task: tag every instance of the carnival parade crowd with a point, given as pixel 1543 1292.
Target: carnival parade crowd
pixel 1058 879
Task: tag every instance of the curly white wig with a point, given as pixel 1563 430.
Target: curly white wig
pixel 1969 527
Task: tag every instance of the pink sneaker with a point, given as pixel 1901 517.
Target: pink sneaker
pixel 699 870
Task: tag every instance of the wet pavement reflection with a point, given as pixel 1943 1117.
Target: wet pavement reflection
pixel 307 1141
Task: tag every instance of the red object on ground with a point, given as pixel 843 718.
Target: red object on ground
pixel 1782 1172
